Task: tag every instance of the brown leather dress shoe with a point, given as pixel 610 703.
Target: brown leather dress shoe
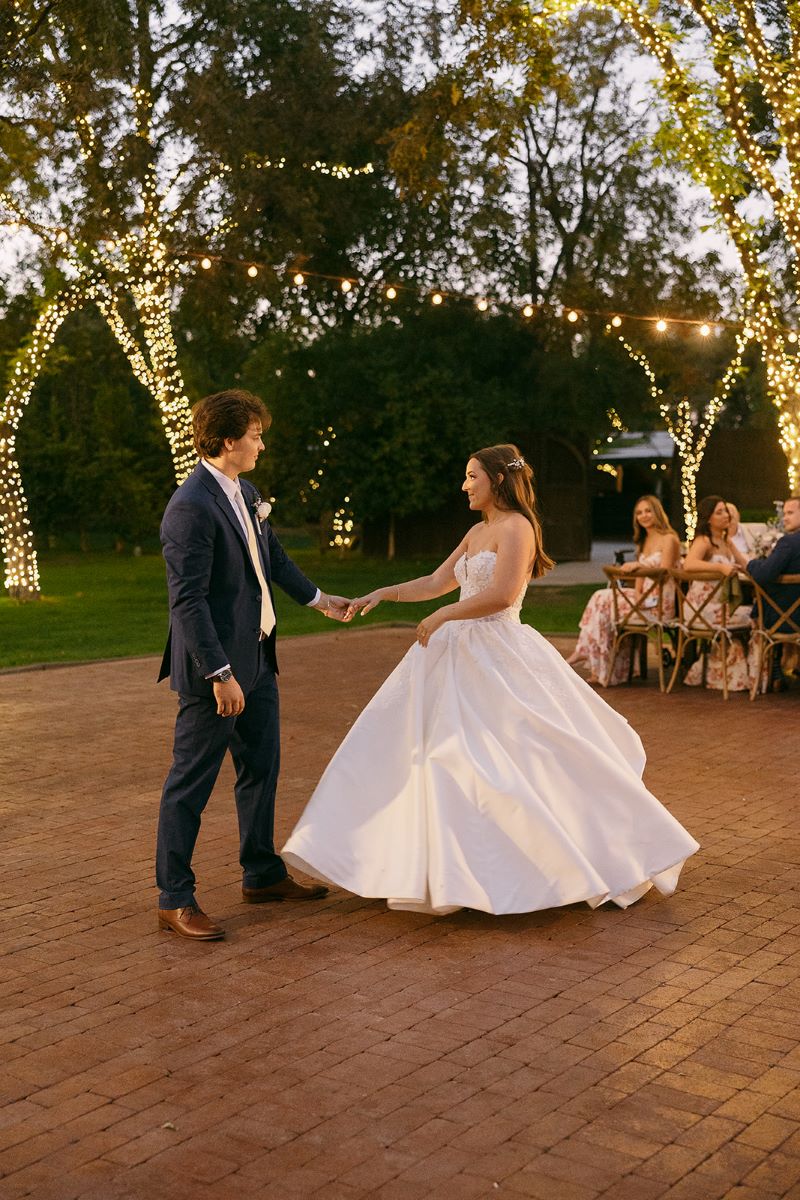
pixel 190 922
pixel 287 889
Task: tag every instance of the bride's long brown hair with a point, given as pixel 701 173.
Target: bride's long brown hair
pixel 512 488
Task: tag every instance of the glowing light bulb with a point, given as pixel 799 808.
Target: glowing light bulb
pixel 391 293
pixel 110 244
pixel 437 298
pixel 661 326
pixel 205 263
pixel 616 322
pixel 299 279
pixel 792 337
pixel 61 236
pixel 705 330
pixel 572 316
pixel 482 305
pixel 252 271
pixel 346 285
pixel 527 310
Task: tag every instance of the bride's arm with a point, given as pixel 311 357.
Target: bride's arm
pixel 515 549
pixel 426 587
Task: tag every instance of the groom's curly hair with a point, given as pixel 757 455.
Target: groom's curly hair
pixel 224 415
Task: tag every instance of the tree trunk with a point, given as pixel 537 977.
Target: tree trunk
pixel 21 566
pixel 155 312
pixel 783 381
pixel 688 473
pixel 390 541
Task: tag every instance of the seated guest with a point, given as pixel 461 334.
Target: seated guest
pixel 711 551
pixel 738 536
pixel 657 545
pixel 784 560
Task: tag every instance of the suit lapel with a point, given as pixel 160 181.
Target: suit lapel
pixel 226 508
pixel 223 503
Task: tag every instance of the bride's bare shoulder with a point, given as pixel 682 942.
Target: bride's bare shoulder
pixel 515 526
pixel 472 533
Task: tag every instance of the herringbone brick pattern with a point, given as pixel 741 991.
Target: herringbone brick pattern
pixel 340 1051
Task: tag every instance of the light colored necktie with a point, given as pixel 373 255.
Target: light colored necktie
pixel 267 611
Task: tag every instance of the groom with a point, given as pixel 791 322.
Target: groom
pixel 220 657
pixel 784 560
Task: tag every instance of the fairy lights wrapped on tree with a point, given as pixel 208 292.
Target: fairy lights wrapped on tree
pixel 114 194
pixel 729 77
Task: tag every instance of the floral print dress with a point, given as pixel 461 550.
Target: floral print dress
pixel 596 638
pixel 738 669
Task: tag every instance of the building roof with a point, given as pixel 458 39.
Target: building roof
pixel 657 444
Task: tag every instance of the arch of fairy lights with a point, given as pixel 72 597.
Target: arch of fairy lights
pixel 137 266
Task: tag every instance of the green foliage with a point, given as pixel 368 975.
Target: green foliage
pixel 536 135
pixel 408 401
pixel 97 606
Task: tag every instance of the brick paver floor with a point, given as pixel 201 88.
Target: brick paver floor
pixel 341 1051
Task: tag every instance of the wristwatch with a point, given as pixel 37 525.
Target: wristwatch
pixel 224 676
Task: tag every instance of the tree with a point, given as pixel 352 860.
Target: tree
pixel 690 395
pixel 106 164
pixel 565 193
pixel 729 80
pixel 382 419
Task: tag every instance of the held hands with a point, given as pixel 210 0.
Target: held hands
pixel 336 608
pixel 365 604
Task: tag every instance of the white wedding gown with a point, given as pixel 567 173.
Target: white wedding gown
pixel 486 774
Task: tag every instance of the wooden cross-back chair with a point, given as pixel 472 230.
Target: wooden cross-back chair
pixel 704 623
pixel 638 615
pixel 775 625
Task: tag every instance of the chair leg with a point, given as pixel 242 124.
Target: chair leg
pixel 768 663
pixel 660 654
pixel 613 657
pixel 632 659
pixel 724 655
pixel 678 659
pixel 755 686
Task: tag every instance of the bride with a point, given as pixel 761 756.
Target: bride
pixel 485 773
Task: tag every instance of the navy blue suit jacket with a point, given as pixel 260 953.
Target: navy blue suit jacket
pixel 784 560
pixel 214 594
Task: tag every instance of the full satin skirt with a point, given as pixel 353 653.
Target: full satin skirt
pixel 486 774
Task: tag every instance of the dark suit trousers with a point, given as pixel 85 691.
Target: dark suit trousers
pixel 201 741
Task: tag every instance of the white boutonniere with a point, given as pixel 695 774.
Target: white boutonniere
pixel 262 508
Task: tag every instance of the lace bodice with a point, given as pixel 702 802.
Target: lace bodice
pixel 475 574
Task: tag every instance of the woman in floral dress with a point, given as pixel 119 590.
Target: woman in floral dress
pixel 713 551
pixel 657 545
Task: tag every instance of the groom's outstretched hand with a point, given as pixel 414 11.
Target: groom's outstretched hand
pixel 335 607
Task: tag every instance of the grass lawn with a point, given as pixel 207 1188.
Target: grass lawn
pixel 109 606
